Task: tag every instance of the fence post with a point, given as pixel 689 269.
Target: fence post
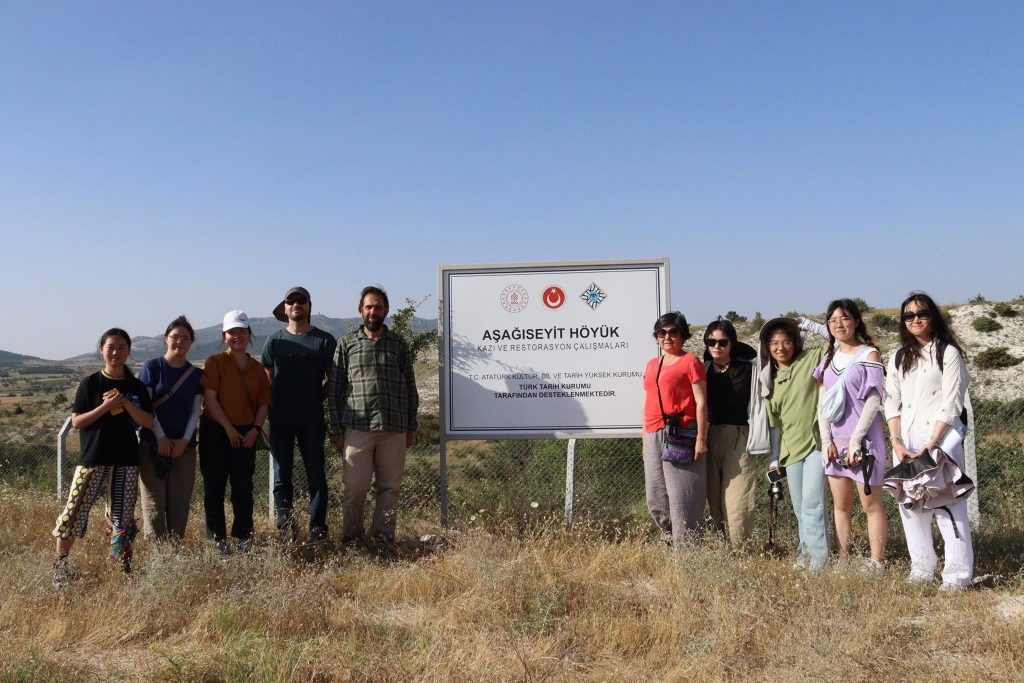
pixel 62 447
pixel 570 478
pixel 270 486
pixel 971 464
pixel 442 473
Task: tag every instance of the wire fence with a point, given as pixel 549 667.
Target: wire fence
pixel 513 484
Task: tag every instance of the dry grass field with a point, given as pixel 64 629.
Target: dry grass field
pixel 480 604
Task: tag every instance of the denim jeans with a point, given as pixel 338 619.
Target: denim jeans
pixel 310 438
pixel 806 481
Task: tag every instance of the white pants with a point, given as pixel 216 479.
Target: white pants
pixel 958 569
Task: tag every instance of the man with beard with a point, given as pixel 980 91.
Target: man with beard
pixel 372 399
pixel 297 359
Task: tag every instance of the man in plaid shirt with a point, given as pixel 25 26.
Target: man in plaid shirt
pixel 371 395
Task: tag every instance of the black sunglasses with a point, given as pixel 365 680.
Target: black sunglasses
pixel 721 343
pixel 923 314
pixel 297 300
pixel 673 332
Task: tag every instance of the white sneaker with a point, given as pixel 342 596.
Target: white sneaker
pixel 918 579
pixel 873 567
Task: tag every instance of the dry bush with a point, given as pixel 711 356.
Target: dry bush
pixel 550 604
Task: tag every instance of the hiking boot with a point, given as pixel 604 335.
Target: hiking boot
pixel 62 573
pixel 244 546
pixel 317 534
pixel 222 547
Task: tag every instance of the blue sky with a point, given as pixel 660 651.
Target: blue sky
pixel 200 157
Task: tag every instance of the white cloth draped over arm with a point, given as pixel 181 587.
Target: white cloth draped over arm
pixel 775 437
pixel 193 418
pixel 893 395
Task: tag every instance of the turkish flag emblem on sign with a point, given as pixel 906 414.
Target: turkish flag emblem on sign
pixel 553 297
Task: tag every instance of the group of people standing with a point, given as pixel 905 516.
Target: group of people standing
pixel 817 413
pixel 140 433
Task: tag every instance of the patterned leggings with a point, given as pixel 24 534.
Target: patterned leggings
pixel 121 484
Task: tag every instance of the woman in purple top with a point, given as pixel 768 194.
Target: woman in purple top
pixel 852 438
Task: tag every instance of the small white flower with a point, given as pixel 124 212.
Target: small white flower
pixel 472 518
pixel 535 505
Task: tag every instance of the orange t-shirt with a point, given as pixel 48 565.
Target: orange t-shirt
pixel 676 384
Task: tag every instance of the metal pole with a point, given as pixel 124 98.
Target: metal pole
pixel 971 464
pixel 270 486
pixel 62 447
pixel 443 483
pixel 570 479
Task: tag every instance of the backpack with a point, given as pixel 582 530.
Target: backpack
pixel 940 351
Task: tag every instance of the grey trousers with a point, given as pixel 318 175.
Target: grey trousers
pixel 166 502
pixel 675 494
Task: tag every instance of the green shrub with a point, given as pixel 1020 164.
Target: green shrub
pixel 734 317
pixel 758 322
pixel 886 323
pixel 986 324
pixel 995 357
pixel 978 299
pixel 861 304
pixel 1004 309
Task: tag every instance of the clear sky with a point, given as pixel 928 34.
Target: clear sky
pixel 166 158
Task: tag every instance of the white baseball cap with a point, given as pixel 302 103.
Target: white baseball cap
pixel 233 319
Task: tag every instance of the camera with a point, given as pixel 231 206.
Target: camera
pixel 775 488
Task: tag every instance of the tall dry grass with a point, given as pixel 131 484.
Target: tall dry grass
pixel 550 604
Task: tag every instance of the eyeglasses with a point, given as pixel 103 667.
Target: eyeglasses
pixel 923 314
pixel 297 301
pixel 845 319
pixel 179 338
pixel 712 343
pixel 670 332
pixel 781 344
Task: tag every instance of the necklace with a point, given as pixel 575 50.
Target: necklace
pixel 720 368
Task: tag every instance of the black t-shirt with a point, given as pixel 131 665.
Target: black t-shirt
pixel 110 440
pixel 729 394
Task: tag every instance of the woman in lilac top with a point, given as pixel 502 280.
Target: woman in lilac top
pixel 853 441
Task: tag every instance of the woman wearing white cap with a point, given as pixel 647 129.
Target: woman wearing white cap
pixel 236 395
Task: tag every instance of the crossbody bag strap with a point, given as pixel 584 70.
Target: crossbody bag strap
pixel 657 386
pixel 177 385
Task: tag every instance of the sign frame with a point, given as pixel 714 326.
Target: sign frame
pixel 449 377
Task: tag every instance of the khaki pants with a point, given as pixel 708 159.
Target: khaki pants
pixel 379 456
pixel 732 479
pixel 166 502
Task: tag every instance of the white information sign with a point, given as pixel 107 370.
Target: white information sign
pixel 548 349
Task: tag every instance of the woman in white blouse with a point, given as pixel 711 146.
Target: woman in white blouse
pixel 926 385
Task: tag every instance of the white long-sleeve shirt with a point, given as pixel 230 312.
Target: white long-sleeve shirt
pixel 925 395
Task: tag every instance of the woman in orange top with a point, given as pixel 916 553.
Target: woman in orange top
pixel 236 395
pixel 675 390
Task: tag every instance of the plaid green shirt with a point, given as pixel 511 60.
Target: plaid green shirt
pixel 371 385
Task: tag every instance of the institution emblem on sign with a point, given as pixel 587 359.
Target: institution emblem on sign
pixel 593 295
pixel 514 298
pixel 553 297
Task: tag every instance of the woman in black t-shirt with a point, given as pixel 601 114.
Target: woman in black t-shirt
pixel 732 472
pixel 108 407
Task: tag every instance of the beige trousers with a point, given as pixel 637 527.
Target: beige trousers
pixel 376 456
pixel 166 502
pixel 732 480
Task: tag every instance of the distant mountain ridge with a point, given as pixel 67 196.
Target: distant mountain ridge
pixel 11 358
pixel 208 339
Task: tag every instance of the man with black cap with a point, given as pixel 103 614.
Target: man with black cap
pixel 297 359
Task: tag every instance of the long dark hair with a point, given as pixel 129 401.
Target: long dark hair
pixel 117 332
pixel 942 333
pixel 725 327
pixel 860 329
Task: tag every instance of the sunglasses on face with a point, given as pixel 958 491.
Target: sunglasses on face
pixel 673 332
pixel 297 301
pixel 923 314
pixel 720 343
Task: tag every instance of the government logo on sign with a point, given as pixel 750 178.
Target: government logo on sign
pixel 593 295
pixel 553 297
pixel 514 298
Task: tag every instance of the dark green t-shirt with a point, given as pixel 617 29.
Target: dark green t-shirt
pixel 300 363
